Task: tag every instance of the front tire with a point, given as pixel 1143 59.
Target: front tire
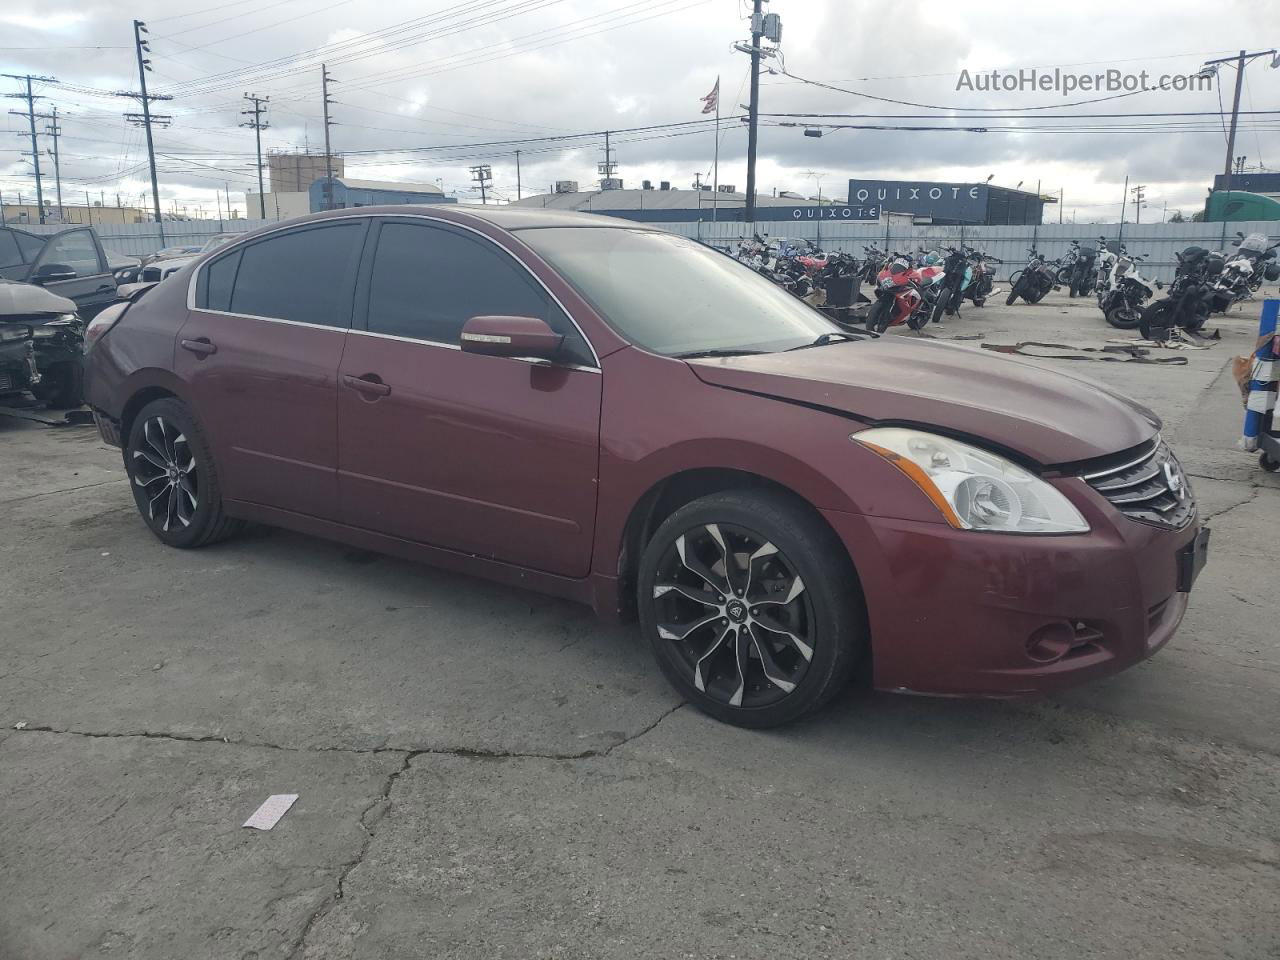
pixel 878 315
pixel 1156 320
pixel 172 476
pixel 1016 292
pixel 752 607
pixel 1124 316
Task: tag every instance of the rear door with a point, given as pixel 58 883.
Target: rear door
pixel 78 252
pixel 260 354
pixel 493 456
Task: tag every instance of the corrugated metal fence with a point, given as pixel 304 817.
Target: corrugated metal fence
pixel 1159 240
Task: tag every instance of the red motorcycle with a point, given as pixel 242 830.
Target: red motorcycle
pixel 899 296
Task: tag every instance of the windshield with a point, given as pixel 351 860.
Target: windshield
pixel 674 296
pixel 215 242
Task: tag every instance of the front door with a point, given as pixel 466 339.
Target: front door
pixel 260 354
pixel 491 456
pixel 76 251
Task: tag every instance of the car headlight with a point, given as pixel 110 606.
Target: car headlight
pixel 973 488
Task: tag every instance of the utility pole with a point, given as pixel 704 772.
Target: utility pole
pixel 753 111
pixel 258 125
pixel 31 119
pixel 325 80
pixel 518 175
pixel 146 118
pixel 55 131
pixel 608 168
pixel 1139 195
pixel 1240 61
pixel 482 174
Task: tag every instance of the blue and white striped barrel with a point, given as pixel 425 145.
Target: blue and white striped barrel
pixel 1262 384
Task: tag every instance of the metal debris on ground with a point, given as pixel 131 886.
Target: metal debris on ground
pixel 272 809
pixel 1128 353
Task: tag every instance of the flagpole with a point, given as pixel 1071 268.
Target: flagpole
pixel 715 169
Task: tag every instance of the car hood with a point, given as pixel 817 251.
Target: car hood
pixel 26 300
pixel 1044 415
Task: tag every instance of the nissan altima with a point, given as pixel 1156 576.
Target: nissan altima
pixel 610 413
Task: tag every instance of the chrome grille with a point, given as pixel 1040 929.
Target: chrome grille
pixel 1151 489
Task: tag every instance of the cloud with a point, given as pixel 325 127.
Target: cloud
pixel 561 68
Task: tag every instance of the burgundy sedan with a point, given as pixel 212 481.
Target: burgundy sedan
pixel 603 411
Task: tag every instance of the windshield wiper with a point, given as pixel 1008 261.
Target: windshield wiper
pixel 699 354
pixel 835 336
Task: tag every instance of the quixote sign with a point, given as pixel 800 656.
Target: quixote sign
pixel 851 213
pixel 950 201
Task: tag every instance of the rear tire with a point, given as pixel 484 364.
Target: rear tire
pixel 786 568
pixel 173 478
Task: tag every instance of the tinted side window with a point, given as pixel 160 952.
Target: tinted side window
pixel 213 292
pixel 74 249
pixel 427 282
pixel 29 244
pixel 305 275
pixel 10 256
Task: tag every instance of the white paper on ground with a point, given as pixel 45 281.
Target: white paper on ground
pixel 269 814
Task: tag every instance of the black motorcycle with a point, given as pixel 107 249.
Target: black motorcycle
pixel 1189 300
pixel 949 294
pixel 1033 282
pixel 1084 270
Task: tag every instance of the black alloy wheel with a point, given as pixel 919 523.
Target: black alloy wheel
pixel 751 607
pixel 173 479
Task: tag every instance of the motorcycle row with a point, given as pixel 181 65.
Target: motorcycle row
pixel 910 288
pixel 918 288
pixel 1205 282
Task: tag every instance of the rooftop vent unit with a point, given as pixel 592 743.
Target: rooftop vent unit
pixel 646 184
pixel 664 185
pixel 566 186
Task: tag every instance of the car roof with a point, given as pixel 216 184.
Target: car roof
pixel 504 217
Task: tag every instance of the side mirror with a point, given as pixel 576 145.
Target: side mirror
pixel 511 337
pixel 53 273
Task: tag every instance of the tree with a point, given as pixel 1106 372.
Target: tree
pixel 1177 217
pixel 1198 217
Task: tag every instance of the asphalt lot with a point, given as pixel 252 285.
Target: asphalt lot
pixel 486 773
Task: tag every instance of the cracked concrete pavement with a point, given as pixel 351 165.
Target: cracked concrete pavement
pixel 487 773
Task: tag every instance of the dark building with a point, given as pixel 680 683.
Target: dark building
pixel 1267 184
pixel 950 203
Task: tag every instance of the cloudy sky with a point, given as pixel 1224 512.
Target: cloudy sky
pixel 427 89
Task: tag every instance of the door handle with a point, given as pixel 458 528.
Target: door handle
pixel 201 346
pixel 368 384
pixel 105 286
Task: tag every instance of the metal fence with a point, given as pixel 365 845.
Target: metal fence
pixel 1159 240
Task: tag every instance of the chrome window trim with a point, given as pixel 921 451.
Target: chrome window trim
pixel 228 247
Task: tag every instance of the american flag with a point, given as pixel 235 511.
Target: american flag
pixel 711 102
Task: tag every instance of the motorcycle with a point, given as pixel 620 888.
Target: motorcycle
pixel 1064 265
pixel 899 297
pixel 1033 282
pixel 1126 291
pixel 1252 251
pixel 957 277
pixel 984 278
pixel 1084 270
pixel 1187 304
